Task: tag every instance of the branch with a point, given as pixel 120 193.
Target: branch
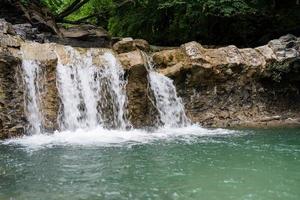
pixel 72 8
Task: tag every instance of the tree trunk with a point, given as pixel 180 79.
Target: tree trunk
pixel 77 4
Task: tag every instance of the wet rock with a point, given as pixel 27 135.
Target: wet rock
pixel 50 100
pixel 11 96
pixel 141 110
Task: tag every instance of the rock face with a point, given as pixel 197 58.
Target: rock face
pixel 140 108
pixel 12 119
pixel 220 87
pixel 237 87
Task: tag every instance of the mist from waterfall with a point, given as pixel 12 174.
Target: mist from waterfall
pixel 169 105
pixel 31 73
pixel 91 95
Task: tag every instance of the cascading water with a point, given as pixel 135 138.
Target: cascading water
pixel 71 84
pixel 169 105
pixel 91 87
pixel 31 71
pixel 114 75
pixel 89 92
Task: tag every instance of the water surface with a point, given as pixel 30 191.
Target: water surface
pixel 198 164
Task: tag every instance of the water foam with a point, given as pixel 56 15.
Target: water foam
pixel 103 137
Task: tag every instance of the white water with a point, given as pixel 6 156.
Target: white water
pixel 113 73
pixel 169 105
pixel 88 91
pixel 102 137
pixel 93 98
pixel 31 71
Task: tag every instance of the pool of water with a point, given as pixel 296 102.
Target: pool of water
pixel 173 164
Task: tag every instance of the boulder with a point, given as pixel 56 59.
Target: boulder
pixel 141 111
pixel 166 58
pixel 131 59
pixel 10 41
pixel 84 31
pixel 6 27
pixel 286 47
pixel 129 44
pixel 82 35
pixel 284 65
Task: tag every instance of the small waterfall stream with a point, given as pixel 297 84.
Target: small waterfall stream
pixel 31 71
pixel 169 105
pixel 91 95
pixel 77 88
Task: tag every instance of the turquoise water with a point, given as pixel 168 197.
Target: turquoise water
pixel 248 164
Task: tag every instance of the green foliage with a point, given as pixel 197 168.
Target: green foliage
pixel 171 22
pixel 176 21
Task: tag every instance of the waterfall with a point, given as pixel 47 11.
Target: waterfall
pixel 31 71
pixel 91 95
pixel 92 91
pixel 114 73
pixel 169 105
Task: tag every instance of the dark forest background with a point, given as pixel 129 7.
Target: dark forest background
pixel 173 22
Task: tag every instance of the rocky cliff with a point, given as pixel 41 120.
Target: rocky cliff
pixel 227 86
pixel 220 87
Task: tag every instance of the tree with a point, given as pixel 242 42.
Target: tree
pixel 51 12
pixel 172 22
